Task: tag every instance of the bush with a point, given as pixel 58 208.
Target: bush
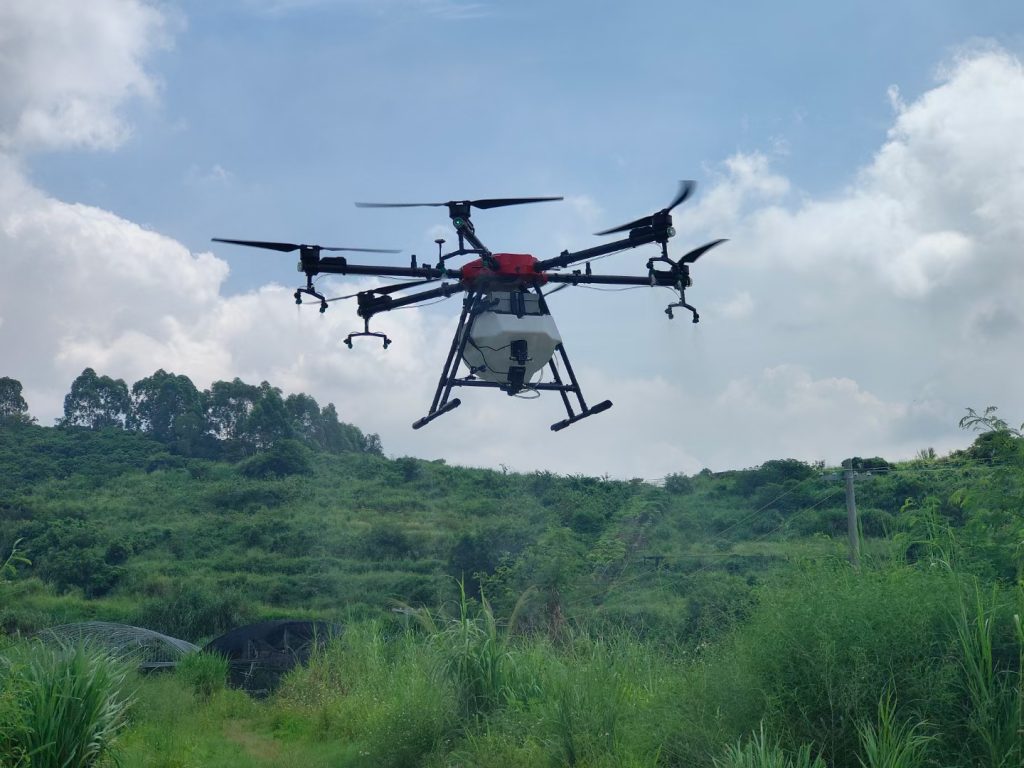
pixel 286 457
pixel 819 651
pixel 195 610
pixel 678 483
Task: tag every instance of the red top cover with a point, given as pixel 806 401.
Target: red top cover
pixel 514 269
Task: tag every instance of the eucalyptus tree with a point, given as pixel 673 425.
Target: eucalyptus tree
pixel 13 408
pixel 96 402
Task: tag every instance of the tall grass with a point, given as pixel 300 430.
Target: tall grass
pixel 475 654
pixel 816 655
pixel 889 743
pixel 73 705
pixel 760 752
pixel 993 690
pixel 204 673
pixel 375 692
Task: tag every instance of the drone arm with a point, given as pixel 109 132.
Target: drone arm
pixel 636 238
pixel 656 278
pixel 370 305
pixel 336 265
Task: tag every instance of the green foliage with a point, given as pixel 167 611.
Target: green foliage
pixel 192 610
pixel 818 651
pixel 169 408
pixel 652 625
pixel 759 752
pixel 96 402
pixel 779 472
pixel 994 689
pixel 72 706
pixel 678 483
pixel 890 743
pixel 75 553
pixel 474 656
pixel 204 673
pixel 9 566
pixel 13 408
pixel 377 694
pixel 283 458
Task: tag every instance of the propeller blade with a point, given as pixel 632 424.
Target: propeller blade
pixel 624 227
pixel 403 286
pixel 696 253
pixel 358 250
pixel 685 190
pixel 498 202
pixel 400 205
pixel 287 247
pixel 493 202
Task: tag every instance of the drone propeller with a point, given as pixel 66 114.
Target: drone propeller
pixel 287 247
pixel 696 253
pixel 685 190
pixel 494 202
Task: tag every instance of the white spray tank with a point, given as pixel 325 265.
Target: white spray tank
pixel 511 340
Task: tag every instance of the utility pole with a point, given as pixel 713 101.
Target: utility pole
pixel 851 515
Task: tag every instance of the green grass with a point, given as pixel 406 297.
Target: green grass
pixel 72 705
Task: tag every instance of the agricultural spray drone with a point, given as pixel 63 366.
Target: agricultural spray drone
pixel 506 336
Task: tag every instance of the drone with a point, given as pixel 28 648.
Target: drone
pixel 506 336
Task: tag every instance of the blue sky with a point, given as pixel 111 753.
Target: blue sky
pixel 266 120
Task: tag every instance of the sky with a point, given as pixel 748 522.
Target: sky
pixel 865 160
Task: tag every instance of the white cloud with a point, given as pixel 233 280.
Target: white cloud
pixel 863 322
pixel 739 307
pixel 68 66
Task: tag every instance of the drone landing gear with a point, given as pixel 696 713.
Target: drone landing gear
pixel 310 290
pixel 366 332
pixel 441 404
pixel 574 387
pixel 682 303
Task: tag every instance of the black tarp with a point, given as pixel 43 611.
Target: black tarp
pixel 260 654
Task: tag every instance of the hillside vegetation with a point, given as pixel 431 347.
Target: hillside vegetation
pixel 528 619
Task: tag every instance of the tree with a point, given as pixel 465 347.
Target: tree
pixel 344 438
pixel 268 423
pixel 13 408
pixel 169 408
pixel 229 407
pixel 306 420
pixel 96 402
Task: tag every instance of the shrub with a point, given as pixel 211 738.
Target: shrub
pixel 678 483
pixel 818 652
pixel 286 457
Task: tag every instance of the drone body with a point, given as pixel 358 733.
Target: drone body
pixel 506 336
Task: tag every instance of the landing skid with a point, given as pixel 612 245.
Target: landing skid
pixel 441 403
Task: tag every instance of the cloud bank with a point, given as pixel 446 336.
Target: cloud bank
pixel 860 323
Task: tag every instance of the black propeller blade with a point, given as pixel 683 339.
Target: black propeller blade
pixel 493 202
pixel 685 190
pixel 287 247
pixel 696 253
